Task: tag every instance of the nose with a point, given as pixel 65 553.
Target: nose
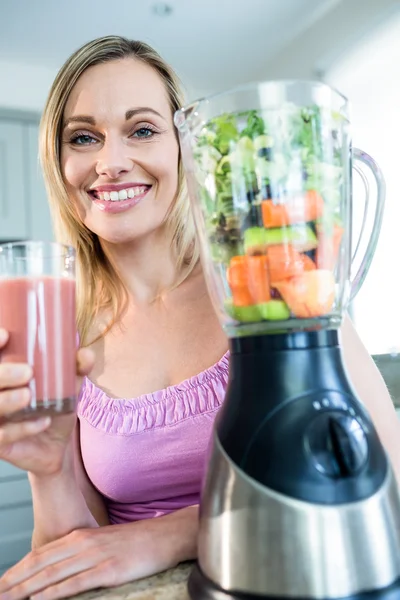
pixel 113 160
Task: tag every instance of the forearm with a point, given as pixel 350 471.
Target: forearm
pixel 184 528
pixel 59 506
pixel 169 540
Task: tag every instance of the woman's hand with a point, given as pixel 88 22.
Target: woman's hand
pixel 36 445
pixel 104 557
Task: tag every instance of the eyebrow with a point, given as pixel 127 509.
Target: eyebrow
pixel 142 109
pixel 128 115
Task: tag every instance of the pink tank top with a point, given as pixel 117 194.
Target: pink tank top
pixel 146 455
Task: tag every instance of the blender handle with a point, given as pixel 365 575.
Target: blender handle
pixel 360 156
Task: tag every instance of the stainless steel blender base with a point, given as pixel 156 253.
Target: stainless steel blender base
pixel 256 541
pixel 201 588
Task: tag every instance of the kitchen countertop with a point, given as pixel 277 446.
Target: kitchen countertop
pixel 170 585
pixel 389 366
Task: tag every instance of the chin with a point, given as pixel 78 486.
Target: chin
pixel 127 234
pixel 129 227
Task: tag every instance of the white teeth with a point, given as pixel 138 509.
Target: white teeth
pixel 122 194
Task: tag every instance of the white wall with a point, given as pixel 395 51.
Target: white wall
pixel 24 86
pixel 369 77
pixel 311 53
pixel 320 46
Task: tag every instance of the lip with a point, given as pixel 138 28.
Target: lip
pixel 116 187
pixel 117 207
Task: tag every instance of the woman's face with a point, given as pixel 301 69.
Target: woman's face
pixel 119 153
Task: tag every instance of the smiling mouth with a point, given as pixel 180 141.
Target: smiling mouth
pixel 118 196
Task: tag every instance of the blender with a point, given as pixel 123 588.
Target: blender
pixel 299 499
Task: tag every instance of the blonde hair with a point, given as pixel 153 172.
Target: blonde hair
pixel 98 284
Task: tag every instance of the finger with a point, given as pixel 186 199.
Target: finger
pixel 21 584
pixel 100 576
pixel 14 375
pixel 14 400
pixel 85 361
pixel 10 433
pixel 3 337
pixel 70 546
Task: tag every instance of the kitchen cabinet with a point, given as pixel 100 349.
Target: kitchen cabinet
pixel 13 194
pixel 16 515
pixel 39 220
pixel 24 213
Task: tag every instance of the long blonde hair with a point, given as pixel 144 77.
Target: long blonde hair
pixel 98 284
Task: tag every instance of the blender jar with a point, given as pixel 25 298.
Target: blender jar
pixel 269 169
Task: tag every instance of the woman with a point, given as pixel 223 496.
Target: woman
pixel 111 162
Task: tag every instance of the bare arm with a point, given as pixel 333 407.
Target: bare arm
pixel 104 557
pixel 65 501
pixel 373 392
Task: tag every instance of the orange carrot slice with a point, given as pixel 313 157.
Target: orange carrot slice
pixel 248 278
pixel 259 279
pixel 238 277
pixel 304 207
pixel 311 294
pixel 328 247
pixel 285 262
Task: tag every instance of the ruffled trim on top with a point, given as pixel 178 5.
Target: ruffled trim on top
pixel 200 394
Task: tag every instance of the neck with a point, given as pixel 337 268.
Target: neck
pixel 147 267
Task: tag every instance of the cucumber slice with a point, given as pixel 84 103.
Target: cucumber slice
pixel 244 314
pixel 301 237
pixel 274 310
pixel 254 239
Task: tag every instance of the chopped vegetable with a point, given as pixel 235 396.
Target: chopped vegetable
pixel 238 279
pixel 263 142
pixel 244 314
pixel 328 246
pixel 301 208
pixel 255 240
pixel 259 278
pixel 301 237
pixel 311 294
pixel 249 280
pixel 274 310
pixel 271 191
pixel 285 262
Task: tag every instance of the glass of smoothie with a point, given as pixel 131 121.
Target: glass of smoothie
pixel 37 308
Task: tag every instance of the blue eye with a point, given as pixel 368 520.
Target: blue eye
pixel 144 132
pixel 83 139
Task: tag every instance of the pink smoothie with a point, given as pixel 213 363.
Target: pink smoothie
pixel 39 314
